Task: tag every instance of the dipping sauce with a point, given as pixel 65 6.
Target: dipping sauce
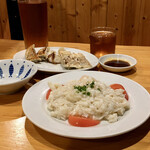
pixel 117 63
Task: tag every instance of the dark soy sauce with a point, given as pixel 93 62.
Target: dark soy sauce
pixel 117 63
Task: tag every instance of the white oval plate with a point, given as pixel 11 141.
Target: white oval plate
pixel 35 107
pixel 132 61
pixel 49 67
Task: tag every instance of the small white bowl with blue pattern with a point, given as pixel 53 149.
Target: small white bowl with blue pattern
pixel 14 74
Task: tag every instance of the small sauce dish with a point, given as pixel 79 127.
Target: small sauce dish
pixel 117 62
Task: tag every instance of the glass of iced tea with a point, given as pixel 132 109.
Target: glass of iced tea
pixel 34 21
pixel 102 41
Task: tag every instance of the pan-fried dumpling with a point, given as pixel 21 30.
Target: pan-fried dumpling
pixel 41 54
pixel 52 56
pixel 73 60
pixel 31 55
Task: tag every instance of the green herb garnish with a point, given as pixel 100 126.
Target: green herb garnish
pixel 98 89
pixel 84 93
pixel 83 88
pixel 92 84
pixel 80 88
pixel 88 93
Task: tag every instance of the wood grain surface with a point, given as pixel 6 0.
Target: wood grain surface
pixel 17 132
pixel 4 21
pixel 72 20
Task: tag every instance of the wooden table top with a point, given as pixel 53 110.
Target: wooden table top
pixel 17 132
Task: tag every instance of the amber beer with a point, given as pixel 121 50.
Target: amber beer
pixel 102 41
pixel 33 14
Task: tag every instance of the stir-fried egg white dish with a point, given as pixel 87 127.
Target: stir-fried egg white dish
pixel 87 98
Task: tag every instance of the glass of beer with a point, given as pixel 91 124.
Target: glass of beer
pixel 102 41
pixel 34 21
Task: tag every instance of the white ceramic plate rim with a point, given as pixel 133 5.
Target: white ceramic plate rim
pixel 117 55
pixel 34 108
pixel 90 57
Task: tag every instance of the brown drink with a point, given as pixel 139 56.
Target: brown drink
pixel 102 41
pixel 33 14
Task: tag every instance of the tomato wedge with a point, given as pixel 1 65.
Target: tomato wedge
pixel 119 86
pixel 48 93
pixel 82 121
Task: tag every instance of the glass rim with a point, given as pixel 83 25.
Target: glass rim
pixel 99 28
pixel 31 1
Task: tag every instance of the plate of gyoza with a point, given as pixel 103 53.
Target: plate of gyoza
pixel 58 59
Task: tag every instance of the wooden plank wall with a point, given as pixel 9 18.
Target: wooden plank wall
pixel 4 21
pixel 72 20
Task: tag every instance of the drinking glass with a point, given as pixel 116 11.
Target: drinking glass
pixel 34 21
pixel 102 41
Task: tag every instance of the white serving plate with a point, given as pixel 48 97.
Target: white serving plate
pixel 132 61
pixel 49 67
pixel 35 107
